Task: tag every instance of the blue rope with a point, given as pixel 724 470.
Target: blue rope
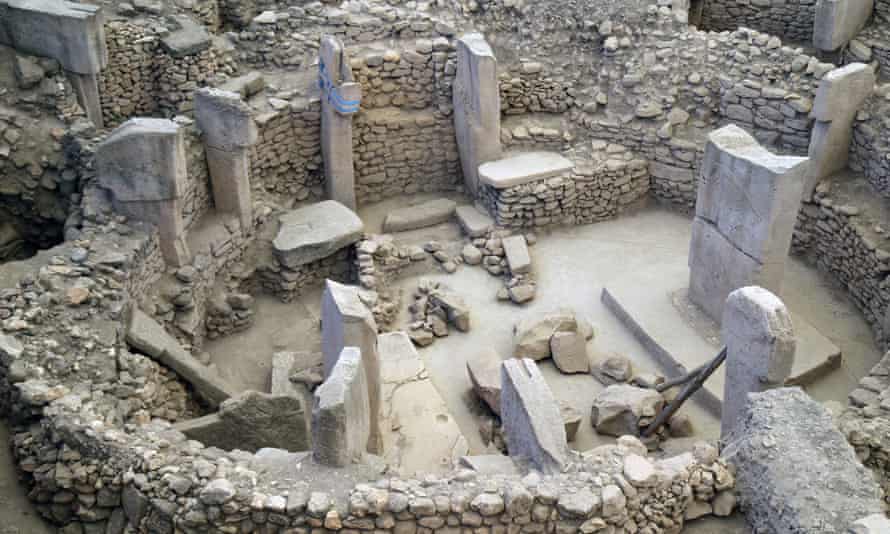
pixel 334 97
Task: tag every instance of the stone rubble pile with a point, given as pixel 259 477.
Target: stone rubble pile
pixel 433 309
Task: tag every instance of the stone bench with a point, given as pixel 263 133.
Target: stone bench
pixel 542 188
pixel 312 243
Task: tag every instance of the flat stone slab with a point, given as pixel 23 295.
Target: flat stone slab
pixel 683 340
pixel 191 38
pixel 423 215
pixel 315 232
pixel 145 335
pixel 516 250
pixel 473 222
pixel 523 168
pixel 419 431
pixel 490 464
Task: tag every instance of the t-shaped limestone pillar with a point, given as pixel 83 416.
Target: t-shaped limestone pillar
pixel 748 199
pixel 142 164
pixel 760 346
pixel 840 95
pixel 340 100
pixel 228 132
pixel 477 107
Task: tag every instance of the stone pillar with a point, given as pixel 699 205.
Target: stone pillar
pixel 340 99
pixel 142 164
pixel 531 417
pixel 347 322
pixel 70 32
pixel 840 95
pixel 477 107
pixel 837 22
pixel 748 199
pixel 340 417
pixel 760 346
pixel 228 132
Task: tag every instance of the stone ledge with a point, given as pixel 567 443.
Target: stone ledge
pixel 523 168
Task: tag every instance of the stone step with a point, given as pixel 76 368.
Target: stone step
pixel 681 338
pixel 473 222
pixel 423 215
pixel 523 168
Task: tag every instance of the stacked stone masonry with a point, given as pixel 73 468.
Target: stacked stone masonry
pixel 871 141
pixel 792 21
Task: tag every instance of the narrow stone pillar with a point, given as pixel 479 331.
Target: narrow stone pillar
pixel 837 22
pixel 86 88
pixel 840 95
pixel 228 132
pixel 532 421
pixel 347 322
pixel 748 199
pixel 340 99
pixel 477 107
pixel 760 346
pixel 340 417
pixel 142 164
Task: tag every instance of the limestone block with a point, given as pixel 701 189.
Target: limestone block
pixel 523 168
pixel 516 251
pixel 569 350
pixel 71 32
pixel 531 418
pixel 340 100
pixel 347 322
pixel 189 39
pixel 315 232
pixel 477 107
pixel 617 410
pixel 224 119
pixel 429 213
pixel 484 370
pixel 751 195
pixel 341 416
pixel 532 334
pixel 473 222
pixel 760 345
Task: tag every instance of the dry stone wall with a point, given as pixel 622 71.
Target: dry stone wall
pixel 791 20
pixel 871 141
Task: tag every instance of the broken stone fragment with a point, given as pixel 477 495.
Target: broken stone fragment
pixel 484 370
pixel 613 369
pixel 532 334
pixel 571 418
pixel 569 350
pixel 421 337
pixel 456 310
pixel 617 410
pixel 522 293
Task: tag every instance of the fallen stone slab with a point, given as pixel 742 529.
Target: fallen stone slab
pixel 314 232
pixel 188 40
pixel 618 408
pixel 516 251
pixel 473 222
pixel 145 335
pixel 569 351
pixel 532 334
pixel 423 215
pixel 795 471
pixel 533 425
pixel 252 421
pixel 485 374
pixel 456 310
pixel 523 168
pixel 341 415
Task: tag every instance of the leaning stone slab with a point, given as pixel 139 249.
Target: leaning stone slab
pixel 795 472
pixel 341 416
pixel 147 336
pixel 485 375
pixel 347 322
pixel 533 425
pixel 314 232
pixel 423 215
pixel 523 168
pixel 474 222
pixel 516 251
pixel 760 346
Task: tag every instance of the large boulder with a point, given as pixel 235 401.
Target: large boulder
pixel 532 334
pixel 619 409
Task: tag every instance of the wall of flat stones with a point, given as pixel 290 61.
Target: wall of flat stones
pixel 289 283
pixel 198 194
pixel 398 152
pixel 871 142
pixel 141 79
pixel 791 20
pixel 286 159
pixel 526 88
pixel 872 45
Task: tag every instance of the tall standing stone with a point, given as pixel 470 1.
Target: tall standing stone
pixel 228 132
pixel 840 95
pixel 340 417
pixel 142 164
pixel 347 322
pixel 837 22
pixel 760 347
pixel 477 107
pixel 531 417
pixel 340 99
pixel 748 199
